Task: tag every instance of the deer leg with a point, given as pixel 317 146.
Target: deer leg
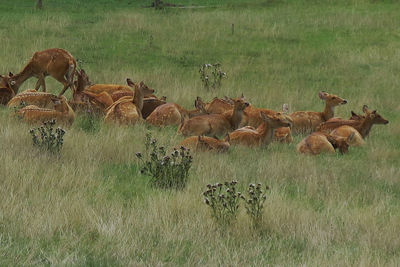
pixel 66 85
pixel 40 82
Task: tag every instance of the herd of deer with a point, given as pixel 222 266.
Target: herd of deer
pixel 232 118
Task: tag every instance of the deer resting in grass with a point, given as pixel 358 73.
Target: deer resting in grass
pixel 360 127
pixel 214 124
pixel 264 134
pixel 62 112
pixel 55 62
pixel 308 121
pixel 319 142
pixel 33 97
pixel 205 143
pixel 127 109
pixel 6 92
pixel 173 114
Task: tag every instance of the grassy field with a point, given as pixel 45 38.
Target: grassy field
pixel 92 207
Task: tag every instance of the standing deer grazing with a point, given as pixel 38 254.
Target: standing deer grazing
pixel 264 134
pixel 308 121
pixel 56 62
pixel 215 124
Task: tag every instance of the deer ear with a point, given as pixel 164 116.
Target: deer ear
pixel 130 83
pixel 141 84
pixel 10 74
pixel 265 117
pixel 242 96
pixel 227 138
pixel 351 136
pixel 322 95
pixel 353 114
pixel 365 109
pixel 373 112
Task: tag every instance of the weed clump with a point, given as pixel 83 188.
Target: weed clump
pixel 165 171
pixel 46 139
pixel 223 199
pixel 89 122
pixel 211 75
pixel 254 203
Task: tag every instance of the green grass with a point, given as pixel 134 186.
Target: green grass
pixel 92 206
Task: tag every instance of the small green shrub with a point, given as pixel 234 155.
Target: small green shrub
pixel 165 171
pixel 45 138
pixel 88 122
pixel 223 199
pixel 211 75
pixel 254 203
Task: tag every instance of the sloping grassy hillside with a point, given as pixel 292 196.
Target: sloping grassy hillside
pixel 91 206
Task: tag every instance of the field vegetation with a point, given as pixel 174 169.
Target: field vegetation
pixel 91 206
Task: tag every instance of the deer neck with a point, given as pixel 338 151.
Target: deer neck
pixel 329 112
pixel 236 118
pixel 138 101
pixel 267 133
pixel 21 77
pixel 365 127
pixel 192 113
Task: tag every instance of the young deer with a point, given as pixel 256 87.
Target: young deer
pixel 318 142
pixel 33 97
pixel 127 109
pixel 62 112
pixel 214 124
pixel 308 121
pixel 56 62
pixel 205 143
pixel 360 127
pixel 6 92
pixel 264 134
pixel 173 114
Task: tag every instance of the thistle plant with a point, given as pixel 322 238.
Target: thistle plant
pixel 165 171
pixel 223 199
pixel 211 75
pixel 254 203
pixel 45 138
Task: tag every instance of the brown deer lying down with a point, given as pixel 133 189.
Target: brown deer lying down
pixel 205 143
pixel 251 116
pixel 127 109
pixel 318 142
pixel 6 92
pixel 56 62
pixel 264 134
pixel 214 124
pixel 360 127
pixel 62 112
pixel 33 97
pixel 151 103
pixel 173 114
pixel 308 121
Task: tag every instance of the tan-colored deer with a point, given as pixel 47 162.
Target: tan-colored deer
pixel 62 112
pixel 308 121
pixel 205 143
pixel 251 116
pixel 127 109
pixel 214 124
pixel 55 62
pixel 173 114
pixel 319 142
pixel 33 97
pixel 264 134
pixel 360 128
pixel 6 92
